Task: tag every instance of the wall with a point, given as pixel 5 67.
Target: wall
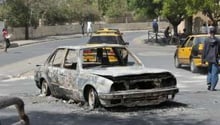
pixel 19 33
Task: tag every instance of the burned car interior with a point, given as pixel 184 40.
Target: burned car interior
pixel 106 56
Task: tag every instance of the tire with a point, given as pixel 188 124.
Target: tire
pixel 45 91
pixel 193 67
pixel 93 101
pixel 176 62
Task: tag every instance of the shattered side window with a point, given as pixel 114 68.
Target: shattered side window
pixel 57 58
pixel 70 60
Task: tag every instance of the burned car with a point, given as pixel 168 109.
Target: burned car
pixel 87 74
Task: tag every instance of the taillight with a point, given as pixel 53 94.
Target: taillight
pixel 87 51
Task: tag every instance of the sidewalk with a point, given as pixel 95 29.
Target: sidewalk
pixel 17 43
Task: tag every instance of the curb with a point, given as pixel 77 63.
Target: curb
pixel 40 40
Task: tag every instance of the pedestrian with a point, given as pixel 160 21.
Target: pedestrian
pixel 204 28
pixel 210 54
pixel 82 24
pixel 155 26
pixel 155 29
pixel 6 37
pixel 184 34
pixel 89 28
pixel 167 34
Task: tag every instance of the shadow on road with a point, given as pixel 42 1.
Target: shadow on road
pixel 201 71
pixel 109 118
pixel 165 105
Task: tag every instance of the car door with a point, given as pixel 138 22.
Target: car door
pixel 68 75
pixel 184 52
pixel 54 67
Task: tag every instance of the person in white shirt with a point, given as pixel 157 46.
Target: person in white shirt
pixel 89 28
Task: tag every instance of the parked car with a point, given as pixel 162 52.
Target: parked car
pixel 190 52
pixel 6 101
pixel 67 74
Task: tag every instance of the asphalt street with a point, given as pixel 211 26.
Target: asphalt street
pixel 192 105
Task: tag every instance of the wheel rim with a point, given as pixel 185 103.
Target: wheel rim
pixel 44 88
pixel 176 62
pixel 192 67
pixel 91 99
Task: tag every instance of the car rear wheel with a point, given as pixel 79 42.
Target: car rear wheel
pixel 44 89
pixel 193 67
pixel 176 62
pixel 93 100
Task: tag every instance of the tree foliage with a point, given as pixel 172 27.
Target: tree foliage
pixel 211 8
pixel 149 8
pixel 174 11
pixel 28 12
pixel 23 12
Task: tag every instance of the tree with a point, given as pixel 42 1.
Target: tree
pixel 113 8
pixel 26 13
pixel 18 14
pixel 175 12
pixel 145 8
pixel 210 8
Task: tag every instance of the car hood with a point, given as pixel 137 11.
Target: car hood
pixel 123 71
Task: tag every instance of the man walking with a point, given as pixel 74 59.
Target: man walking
pixel 210 54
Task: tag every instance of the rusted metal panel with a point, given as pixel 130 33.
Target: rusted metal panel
pixel 116 82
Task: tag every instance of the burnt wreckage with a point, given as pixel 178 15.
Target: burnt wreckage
pixel 107 75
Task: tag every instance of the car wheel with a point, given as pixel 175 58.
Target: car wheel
pixel 44 89
pixel 93 100
pixel 176 62
pixel 193 67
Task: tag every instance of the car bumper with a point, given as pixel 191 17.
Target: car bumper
pixel 198 63
pixel 133 98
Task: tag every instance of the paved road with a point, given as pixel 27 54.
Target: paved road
pixel 193 105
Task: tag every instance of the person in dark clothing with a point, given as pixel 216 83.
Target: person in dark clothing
pixel 155 26
pixel 210 54
pixel 183 35
pixel 82 23
pixel 167 34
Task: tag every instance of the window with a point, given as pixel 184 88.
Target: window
pixel 70 60
pixel 56 59
pixel 120 40
pixel 103 39
pixel 190 42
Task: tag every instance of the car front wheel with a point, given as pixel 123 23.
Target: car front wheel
pixel 176 62
pixel 93 100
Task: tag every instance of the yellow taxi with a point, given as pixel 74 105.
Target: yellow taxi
pixel 105 36
pixel 190 52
